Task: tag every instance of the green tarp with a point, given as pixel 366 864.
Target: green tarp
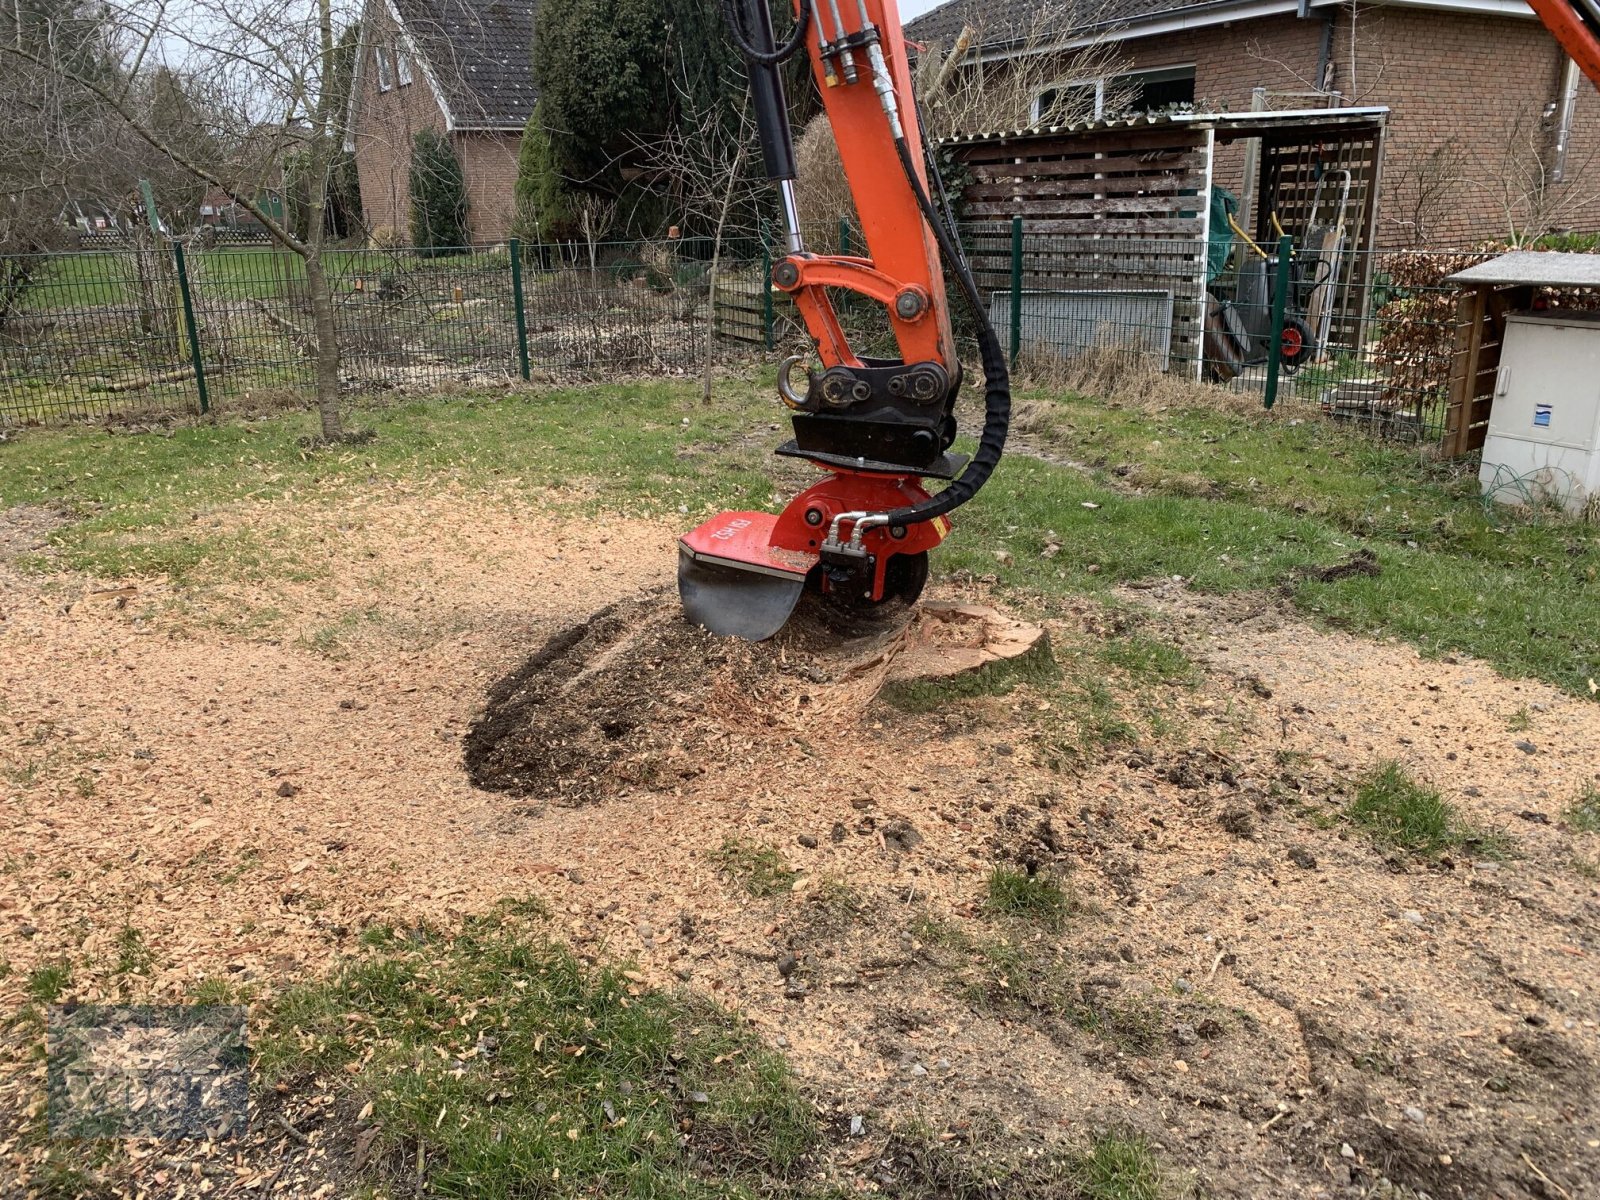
pixel 1223 205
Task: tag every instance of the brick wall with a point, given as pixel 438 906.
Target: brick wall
pixel 489 161
pixel 1465 145
pixel 385 122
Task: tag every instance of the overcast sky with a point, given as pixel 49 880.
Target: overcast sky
pixel 915 8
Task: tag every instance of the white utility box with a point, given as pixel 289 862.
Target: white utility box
pixel 1543 443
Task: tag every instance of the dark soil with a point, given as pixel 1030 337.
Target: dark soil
pixel 633 696
pixel 602 705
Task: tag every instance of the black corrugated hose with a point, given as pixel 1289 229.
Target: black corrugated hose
pixel 996 378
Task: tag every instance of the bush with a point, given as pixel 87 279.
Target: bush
pixel 544 205
pixel 438 196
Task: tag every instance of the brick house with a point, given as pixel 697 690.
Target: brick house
pixel 460 67
pixel 1492 128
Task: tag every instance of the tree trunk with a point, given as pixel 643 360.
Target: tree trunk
pixel 711 318
pixel 716 265
pixel 327 347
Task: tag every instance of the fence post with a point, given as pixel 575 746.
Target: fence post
pixel 766 293
pixel 844 235
pixel 517 305
pixel 193 329
pixel 1280 296
pixel 1016 289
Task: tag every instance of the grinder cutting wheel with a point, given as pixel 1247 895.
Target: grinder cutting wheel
pixel 879 427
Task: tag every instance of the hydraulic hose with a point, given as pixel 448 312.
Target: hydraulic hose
pixel 735 19
pixel 996 378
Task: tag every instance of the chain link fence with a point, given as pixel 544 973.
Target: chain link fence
pixel 169 329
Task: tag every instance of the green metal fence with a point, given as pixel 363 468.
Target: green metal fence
pixel 175 329
pixel 1345 338
pixel 170 329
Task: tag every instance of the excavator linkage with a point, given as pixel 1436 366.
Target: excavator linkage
pixel 877 427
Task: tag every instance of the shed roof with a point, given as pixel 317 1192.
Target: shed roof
pixel 1542 268
pixel 1228 125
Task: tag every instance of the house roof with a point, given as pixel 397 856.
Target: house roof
pixel 477 55
pixel 1002 21
pixel 1002 24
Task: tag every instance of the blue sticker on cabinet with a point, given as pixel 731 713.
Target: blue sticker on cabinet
pixel 1541 415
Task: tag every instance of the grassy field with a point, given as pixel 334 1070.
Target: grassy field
pixel 105 278
pixel 1228 500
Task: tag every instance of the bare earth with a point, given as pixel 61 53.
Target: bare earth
pixel 251 777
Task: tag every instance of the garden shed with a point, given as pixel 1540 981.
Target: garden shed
pixel 1492 294
pixel 1104 230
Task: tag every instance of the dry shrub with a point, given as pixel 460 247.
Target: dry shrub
pixel 1416 329
pixel 958 94
pixel 1126 378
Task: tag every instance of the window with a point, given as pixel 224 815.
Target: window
pixel 402 68
pixel 1069 102
pixel 1153 91
pixel 1138 91
pixel 385 70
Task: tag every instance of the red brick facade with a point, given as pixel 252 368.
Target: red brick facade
pixel 385 120
pixel 1469 149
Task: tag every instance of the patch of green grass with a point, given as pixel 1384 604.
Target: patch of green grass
pixel 1275 501
pixel 1147 660
pixel 498 1064
pixel 1396 810
pixel 1033 897
pixel 755 866
pixel 1583 814
pixel 134 957
pixel 1115 1165
pixel 218 990
pixel 46 984
pixel 1037 668
pixel 1118 1166
pixel 146 501
pixel 1520 721
pixel 248 858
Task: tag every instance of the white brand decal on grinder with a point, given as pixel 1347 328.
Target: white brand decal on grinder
pixel 731 529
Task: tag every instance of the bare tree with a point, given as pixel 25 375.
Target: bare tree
pixel 1517 171
pixel 701 163
pixel 957 92
pixel 261 71
pixel 1423 194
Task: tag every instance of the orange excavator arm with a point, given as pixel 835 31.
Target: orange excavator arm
pixel 1576 25
pixel 879 427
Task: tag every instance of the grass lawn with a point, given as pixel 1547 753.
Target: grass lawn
pixel 1226 499
pixel 104 278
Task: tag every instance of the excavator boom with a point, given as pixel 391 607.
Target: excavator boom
pixel 1576 25
pixel 878 427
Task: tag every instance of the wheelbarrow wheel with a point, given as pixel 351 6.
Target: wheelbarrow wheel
pixel 1298 345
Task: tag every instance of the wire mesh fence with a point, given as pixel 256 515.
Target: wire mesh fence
pixel 100 333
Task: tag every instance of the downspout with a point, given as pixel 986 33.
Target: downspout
pixel 1324 75
pixel 1566 102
